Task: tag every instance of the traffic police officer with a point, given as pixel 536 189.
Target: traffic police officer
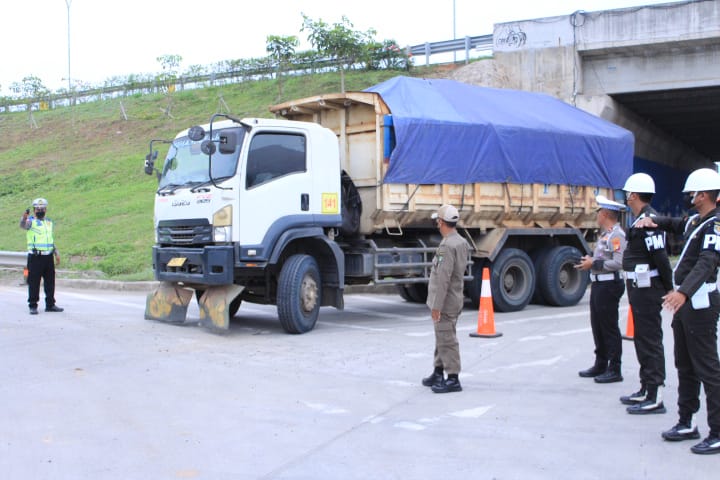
pixel 649 278
pixel 695 303
pixel 445 300
pixel 41 250
pixel 607 288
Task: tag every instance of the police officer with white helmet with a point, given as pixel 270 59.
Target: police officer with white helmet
pixel 649 277
pixel 42 256
pixel 695 303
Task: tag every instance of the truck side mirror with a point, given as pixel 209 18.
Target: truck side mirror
pixel 150 162
pixel 196 133
pixel 207 147
pixel 228 142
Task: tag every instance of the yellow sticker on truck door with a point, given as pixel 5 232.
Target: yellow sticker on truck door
pixel 330 203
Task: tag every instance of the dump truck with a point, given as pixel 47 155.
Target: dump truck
pixel 339 189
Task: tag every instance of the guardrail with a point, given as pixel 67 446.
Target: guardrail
pixel 14 259
pixel 481 42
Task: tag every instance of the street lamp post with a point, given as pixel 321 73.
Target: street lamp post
pixel 68 3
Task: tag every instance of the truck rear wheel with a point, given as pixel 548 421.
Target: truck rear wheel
pixel 298 295
pixel 413 292
pixel 560 283
pixel 512 280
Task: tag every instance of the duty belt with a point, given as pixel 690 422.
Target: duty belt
pixel 604 277
pixel 41 252
pixel 632 276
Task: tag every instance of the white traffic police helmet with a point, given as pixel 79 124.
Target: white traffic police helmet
pixel 639 183
pixel 702 180
pixel 40 203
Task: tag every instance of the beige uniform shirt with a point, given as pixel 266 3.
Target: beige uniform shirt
pixel 445 290
pixel 608 254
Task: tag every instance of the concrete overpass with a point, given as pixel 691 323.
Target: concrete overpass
pixel 652 69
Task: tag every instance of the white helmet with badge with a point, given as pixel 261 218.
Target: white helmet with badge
pixel 40 203
pixel 702 180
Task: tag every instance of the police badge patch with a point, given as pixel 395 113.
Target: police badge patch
pixel 717 227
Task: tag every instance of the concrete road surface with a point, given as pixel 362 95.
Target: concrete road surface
pixel 97 392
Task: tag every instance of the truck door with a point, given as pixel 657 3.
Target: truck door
pixel 276 188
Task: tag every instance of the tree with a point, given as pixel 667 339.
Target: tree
pixel 339 42
pixel 170 65
pixel 32 90
pixel 281 49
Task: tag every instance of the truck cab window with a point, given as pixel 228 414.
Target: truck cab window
pixel 273 155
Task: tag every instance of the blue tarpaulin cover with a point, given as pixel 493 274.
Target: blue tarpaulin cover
pixel 452 132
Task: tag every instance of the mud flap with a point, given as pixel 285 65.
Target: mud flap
pixel 215 306
pixel 169 303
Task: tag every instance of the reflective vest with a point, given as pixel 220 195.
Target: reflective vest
pixel 40 236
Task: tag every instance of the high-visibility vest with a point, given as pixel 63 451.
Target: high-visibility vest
pixel 40 236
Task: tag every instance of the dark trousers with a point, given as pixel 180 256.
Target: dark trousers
pixel 646 304
pixel 41 267
pixel 604 301
pixel 696 359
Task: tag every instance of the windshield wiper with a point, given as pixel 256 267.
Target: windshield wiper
pixel 198 185
pixel 168 189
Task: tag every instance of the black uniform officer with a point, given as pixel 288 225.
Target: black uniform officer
pixel 649 278
pixel 607 288
pixel 695 302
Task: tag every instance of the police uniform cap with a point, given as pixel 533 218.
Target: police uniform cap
pixel 40 203
pixel 447 213
pixel 607 204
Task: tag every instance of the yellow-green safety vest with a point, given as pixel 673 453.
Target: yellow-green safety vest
pixel 40 236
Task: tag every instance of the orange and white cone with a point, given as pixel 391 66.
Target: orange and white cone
pixel 486 313
pixel 630 329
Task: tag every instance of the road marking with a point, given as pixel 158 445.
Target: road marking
pixel 538 363
pixel 102 300
pixel 353 327
pixel 571 332
pixel 532 338
pixel 323 408
pixel 415 427
pixel 473 412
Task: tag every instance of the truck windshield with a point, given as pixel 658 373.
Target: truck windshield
pixel 186 164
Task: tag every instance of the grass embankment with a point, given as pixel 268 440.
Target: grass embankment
pixel 88 162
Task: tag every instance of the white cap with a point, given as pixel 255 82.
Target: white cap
pixel 639 183
pixel 702 180
pixel 447 213
pixel 603 202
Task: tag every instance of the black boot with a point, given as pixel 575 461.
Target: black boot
pixel 684 430
pixel 452 384
pixel 611 375
pixel 652 404
pixel 635 398
pixel 435 378
pixel 595 370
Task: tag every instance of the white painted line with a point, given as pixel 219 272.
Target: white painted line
pixel 353 327
pixel 571 332
pixel 532 338
pixel 420 334
pixel 538 363
pixel 472 413
pixel 102 300
pixel 415 427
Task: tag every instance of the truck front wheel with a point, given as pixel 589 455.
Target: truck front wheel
pixel 298 294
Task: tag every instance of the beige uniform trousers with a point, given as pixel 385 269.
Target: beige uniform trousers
pixel 447 348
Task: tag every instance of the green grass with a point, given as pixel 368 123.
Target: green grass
pixel 88 162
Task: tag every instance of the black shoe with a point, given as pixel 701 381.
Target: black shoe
pixel 33 311
pixel 610 376
pixel 647 407
pixel 593 371
pixel 434 378
pixel 449 385
pixel 54 308
pixel 708 446
pixel 681 431
pixel 634 398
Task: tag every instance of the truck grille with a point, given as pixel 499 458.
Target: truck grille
pixel 184 232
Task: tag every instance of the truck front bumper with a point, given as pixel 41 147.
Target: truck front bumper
pixel 210 265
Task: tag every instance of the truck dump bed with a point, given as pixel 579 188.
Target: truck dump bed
pixel 515 173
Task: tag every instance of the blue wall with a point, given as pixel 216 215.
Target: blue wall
pixel 669 183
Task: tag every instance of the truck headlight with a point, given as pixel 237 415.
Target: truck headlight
pixel 222 224
pixel 222 234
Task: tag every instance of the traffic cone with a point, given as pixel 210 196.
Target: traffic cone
pixel 486 314
pixel 630 329
pixel 25 275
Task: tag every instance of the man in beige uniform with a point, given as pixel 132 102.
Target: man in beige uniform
pixel 445 299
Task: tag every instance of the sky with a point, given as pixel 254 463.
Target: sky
pixel 118 38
